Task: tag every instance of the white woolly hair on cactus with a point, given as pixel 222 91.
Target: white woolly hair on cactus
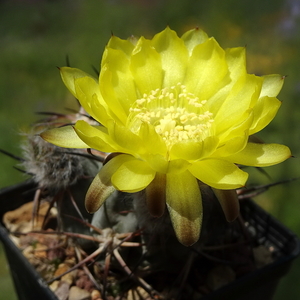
pixel 53 167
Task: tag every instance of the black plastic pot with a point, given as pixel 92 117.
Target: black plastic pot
pixel 258 285
pixel 28 283
pixel 262 283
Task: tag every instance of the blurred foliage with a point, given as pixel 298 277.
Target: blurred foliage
pixel 36 36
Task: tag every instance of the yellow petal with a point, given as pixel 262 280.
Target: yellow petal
pixel 101 187
pixel 174 56
pixel 133 175
pixel 157 162
pixel 261 155
pixel 185 206
pixel 238 101
pixel 146 67
pixel 190 150
pixel 156 195
pixel 86 89
pixel 272 85
pixel 151 140
pixel 65 137
pixel 124 45
pixel 161 164
pixel 239 129
pixel 116 82
pixel 264 112
pixel 107 89
pixel 194 37
pixel 126 140
pixel 206 69
pixel 95 136
pixel 219 174
pixel 236 61
pixel 229 202
pixel 88 94
pixel 233 145
pixel 69 75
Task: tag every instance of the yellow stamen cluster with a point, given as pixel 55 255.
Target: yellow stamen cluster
pixel 176 114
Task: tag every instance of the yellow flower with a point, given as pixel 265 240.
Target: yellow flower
pixel 177 113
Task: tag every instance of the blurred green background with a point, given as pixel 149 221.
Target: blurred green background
pixel 36 36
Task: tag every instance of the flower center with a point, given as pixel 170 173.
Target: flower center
pixel 175 114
